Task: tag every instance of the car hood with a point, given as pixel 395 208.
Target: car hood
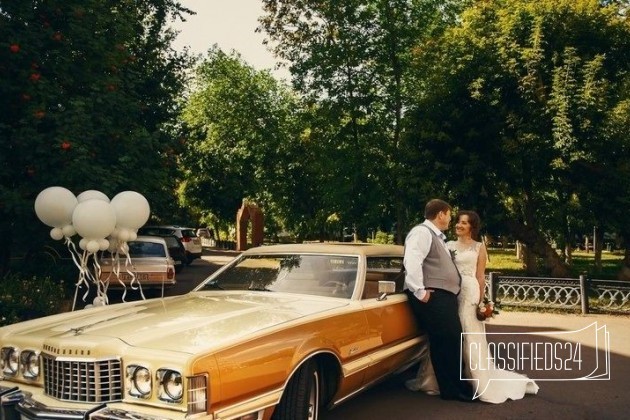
pixel 189 323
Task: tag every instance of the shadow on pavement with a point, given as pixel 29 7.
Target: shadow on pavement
pixel 605 398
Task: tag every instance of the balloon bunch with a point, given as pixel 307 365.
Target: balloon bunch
pixel 101 223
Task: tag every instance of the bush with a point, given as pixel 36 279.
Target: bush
pixel 23 298
pixel 382 238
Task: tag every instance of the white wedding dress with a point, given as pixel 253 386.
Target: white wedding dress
pixel 505 384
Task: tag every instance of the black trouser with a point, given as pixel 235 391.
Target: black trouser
pixel 440 319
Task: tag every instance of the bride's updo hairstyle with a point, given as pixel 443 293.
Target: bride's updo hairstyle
pixel 473 220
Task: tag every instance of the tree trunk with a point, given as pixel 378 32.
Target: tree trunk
pixel 598 242
pixel 624 273
pixel 530 262
pixel 537 244
pixel 400 224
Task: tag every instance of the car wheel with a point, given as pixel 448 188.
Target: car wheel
pixel 301 398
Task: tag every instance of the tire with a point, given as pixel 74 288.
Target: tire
pixel 302 396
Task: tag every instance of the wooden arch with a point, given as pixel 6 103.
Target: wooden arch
pixel 249 212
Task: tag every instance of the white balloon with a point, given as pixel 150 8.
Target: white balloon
pixel 94 219
pixel 92 246
pixel 68 231
pixel 54 206
pixel 132 209
pixel 56 234
pixel 132 236
pixel 99 301
pixel 92 194
pixel 103 244
pixel 123 235
pixel 83 244
pixel 114 233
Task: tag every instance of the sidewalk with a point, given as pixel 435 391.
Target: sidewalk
pixel 617 325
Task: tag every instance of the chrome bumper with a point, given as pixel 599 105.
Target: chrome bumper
pixel 18 405
pixel 9 397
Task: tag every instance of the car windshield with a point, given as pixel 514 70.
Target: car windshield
pixel 188 233
pixel 320 275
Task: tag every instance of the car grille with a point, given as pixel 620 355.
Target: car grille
pixel 83 381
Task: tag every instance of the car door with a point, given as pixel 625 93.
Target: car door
pixel 394 337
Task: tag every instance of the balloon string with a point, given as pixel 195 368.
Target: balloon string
pixel 134 278
pixel 72 249
pixel 101 290
pixel 116 268
pixel 85 274
pixel 81 264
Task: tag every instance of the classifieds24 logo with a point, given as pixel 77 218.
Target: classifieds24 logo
pixel 543 355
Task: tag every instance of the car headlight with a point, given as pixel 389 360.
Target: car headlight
pixel 29 359
pixel 139 381
pixel 171 387
pixel 10 361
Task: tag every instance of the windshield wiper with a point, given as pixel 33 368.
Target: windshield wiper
pixel 214 285
pixel 259 289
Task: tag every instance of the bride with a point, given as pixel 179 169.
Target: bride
pixel 470 259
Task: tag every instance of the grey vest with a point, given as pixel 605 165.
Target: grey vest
pixel 438 269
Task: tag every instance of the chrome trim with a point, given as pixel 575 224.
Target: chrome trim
pixel 83 380
pixel 32 409
pixel 117 414
pixel 412 361
pixel 10 396
pixel 378 356
pixel 253 405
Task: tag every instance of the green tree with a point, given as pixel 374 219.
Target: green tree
pixel 350 60
pixel 89 93
pixel 517 101
pixel 242 126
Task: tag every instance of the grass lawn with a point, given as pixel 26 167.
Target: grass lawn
pixel 505 262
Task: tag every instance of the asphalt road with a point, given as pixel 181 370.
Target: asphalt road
pixel 606 398
pixel 557 398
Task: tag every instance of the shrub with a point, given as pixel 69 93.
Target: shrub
pixel 23 298
pixel 382 238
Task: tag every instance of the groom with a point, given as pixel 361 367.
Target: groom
pixel 432 283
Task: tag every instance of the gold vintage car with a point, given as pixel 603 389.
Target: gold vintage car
pixel 280 332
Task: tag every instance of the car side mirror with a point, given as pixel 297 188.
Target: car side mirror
pixel 385 288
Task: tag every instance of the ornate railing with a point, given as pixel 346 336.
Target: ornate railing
pixel 586 295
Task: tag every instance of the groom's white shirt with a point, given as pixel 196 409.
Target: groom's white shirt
pixel 417 247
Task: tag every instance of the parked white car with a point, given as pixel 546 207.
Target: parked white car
pixel 188 236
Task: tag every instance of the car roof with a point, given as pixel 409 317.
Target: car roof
pixel 167 227
pixel 146 238
pixel 330 248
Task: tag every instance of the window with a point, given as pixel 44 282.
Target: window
pixel 321 275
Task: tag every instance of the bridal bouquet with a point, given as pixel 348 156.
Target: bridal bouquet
pixel 486 310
